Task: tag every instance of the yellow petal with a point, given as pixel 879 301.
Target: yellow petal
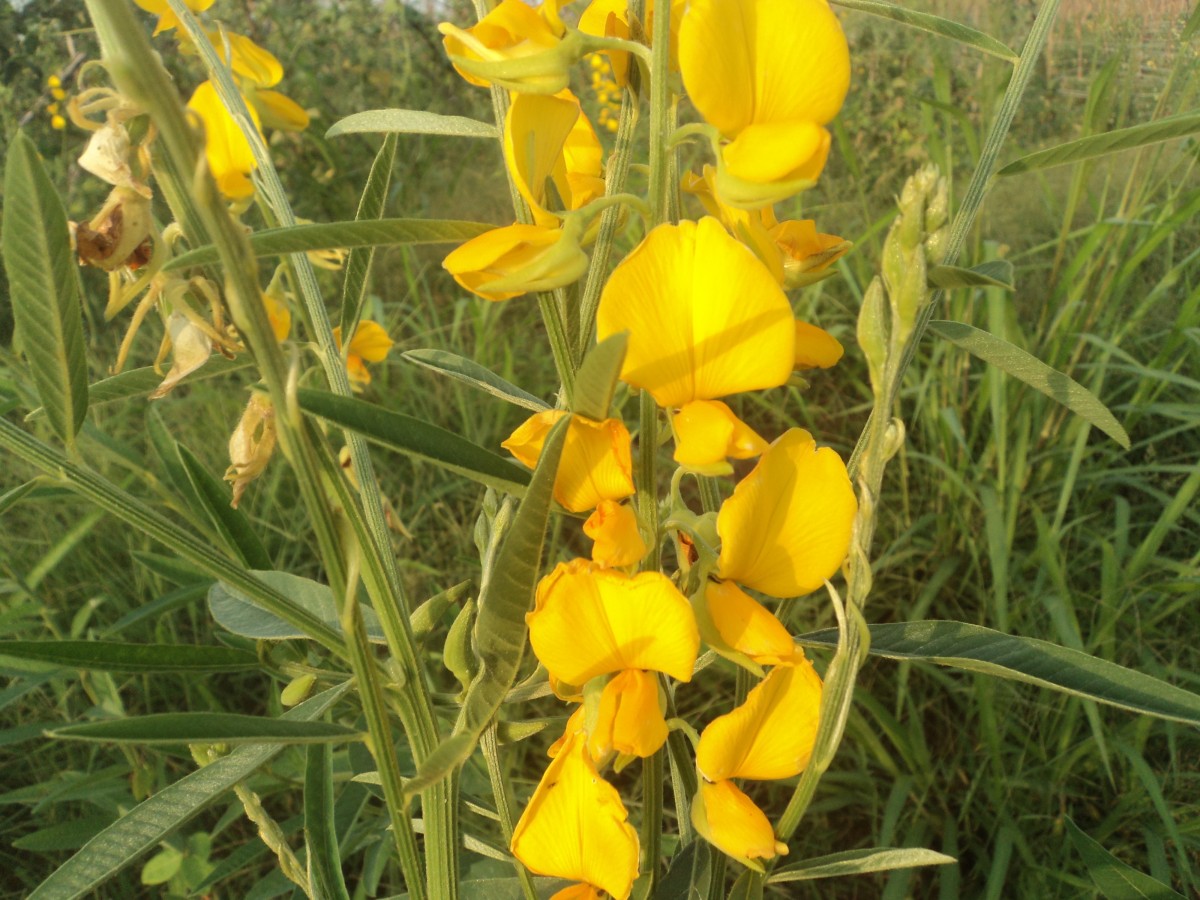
pixel 510 31
pixel 610 18
pixel 707 432
pixel 816 348
pixel 777 151
pixel 614 528
pixel 511 261
pixel 769 736
pixel 279 111
pixel 167 19
pixel 574 723
pixel 370 341
pixel 279 315
pixel 596 462
pixel 705 317
pixel 577 892
pixel 576 827
pixel 226 148
pixel 729 820
pixel 757 61
pixel 630 720
pixel 247 59
pixel 786 528
pixel 548 138
pixel 745 625
pixel 589 621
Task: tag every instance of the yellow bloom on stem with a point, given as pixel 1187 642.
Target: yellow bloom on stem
pixel 167 19
pixel 731 822
pixel 816 348
pixel 707 432
pixel 370 343
pixel 228 152
pixel 614 528
pixel 786 527
pixel 589 621
pixel 511 261
pixel 548 139
pixel 769 75
pixel 610 18
pixel 515 46
pixel 276 110
pixel 247 59
pixel 732 620
pixel 576 827
pixel 596 462
pixel 769 736
pixel 630 719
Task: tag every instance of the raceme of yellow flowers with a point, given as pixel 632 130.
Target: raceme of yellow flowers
pixel 704 309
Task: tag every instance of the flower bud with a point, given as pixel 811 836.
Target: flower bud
pixel 873 330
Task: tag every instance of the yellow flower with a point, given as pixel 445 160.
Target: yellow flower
pixel 167 19
pixel 228 152
pixel 576 827
pixel 768 74
pixel 247 59
pixel 369 344
pixel 508 262
pixel 816 348
pixel 549 139
pixel 729 820
pixel 614 528
pixel 590 621
pixel 610 18
pixel 707 432
pixel 514 46
pixel 769 736
pixel 596 462
pixel 630 718
pixel 786 527
pixel 732 620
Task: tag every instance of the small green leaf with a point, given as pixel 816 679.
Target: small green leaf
pixel 341 235
pixel 1192 26
pixel 162 866
pixel 320 835
pixel 1047 665
pixel 1116 880
pixel 1035 373
pixel 689 876
pixel 9 499
pixel 239 613
pixel 370 208
pixel 231 524
pixel 108 656
pixel 416 438
pixel 149 822
pixel 1104 144
pixel 749 886
pixel 858 862
pixel 996 273
pixel 472 373
pixel 963 34
pixel 43 281
pixel 410 121
pixel 597 378
pixel 204 728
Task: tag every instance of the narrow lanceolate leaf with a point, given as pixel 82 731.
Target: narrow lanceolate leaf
pixel 597 378
pixel 995 273
pixel 370 208
pixel 1104 144
pixel 1047 665
pixel 858 862
pixel 472 373
pixel 43 282
pixel 143 827
pixel 205 728
pixel 342 235
pixel 1114 879
pixel 1035 373
pixel 963 34
pixel 689 876
pixel 413 437
pixel 232 524
pixel 500 632
pixel 410 121
pixel 320 834
pixel 110 656
pixel 749 886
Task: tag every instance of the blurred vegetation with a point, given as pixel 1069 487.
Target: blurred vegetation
pixel 1002 510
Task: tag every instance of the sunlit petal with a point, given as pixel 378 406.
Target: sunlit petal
pixel 247 59
pixel 279 111
pixel 225 147
pixel 630 719
pixel 777 151
pixel 746 626
pixel 614 528
pixel 729 820
pixel 510 31
pixel 707 432
pixel 816 348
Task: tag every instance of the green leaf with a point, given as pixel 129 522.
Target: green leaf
pixel 472 373
pixel 1115 880
pixel 857 862
pixel 1035 373
pixel 143 827
pixel 140 382
pixel 416 438
pixel 597 378
pixel 963 34
pixel 9 499
pixel 996 273
pixel 231 524
pixel 370 208
pixel 410 121
pixel 43 282
pixel 162 866
pixel 500 630
pixel 749 886
pixel 239 613
pixel 1047 665
pixel 689 876
pixel 341 235
pixel 109 656
pixel 1104 144
pixel 204 728
pixel 320 836
pixel 64 836
pixel 1192 26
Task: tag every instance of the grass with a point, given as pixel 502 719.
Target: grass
pixel 1001 510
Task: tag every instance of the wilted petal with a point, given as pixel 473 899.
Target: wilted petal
pixel 190 349
pixel 576 827
pixel 729 820
pixel 786 528
pixel 614 528
pixel 769 736
pixel 590 621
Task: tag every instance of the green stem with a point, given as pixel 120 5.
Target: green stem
pixel 491 755
pixel 645 479
pixel 652 814
pixel 661 125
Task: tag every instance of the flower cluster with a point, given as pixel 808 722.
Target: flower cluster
pixel 703 308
